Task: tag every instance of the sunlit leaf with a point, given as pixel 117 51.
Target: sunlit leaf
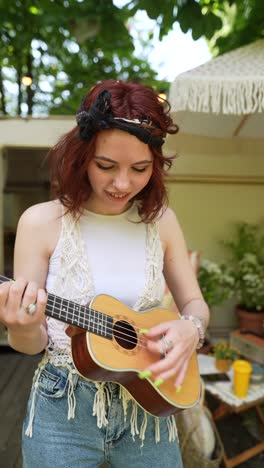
pixel 34 10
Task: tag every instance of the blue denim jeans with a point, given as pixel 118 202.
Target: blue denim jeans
pixel 79 442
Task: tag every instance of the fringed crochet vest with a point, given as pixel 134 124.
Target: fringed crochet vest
pixel 75 282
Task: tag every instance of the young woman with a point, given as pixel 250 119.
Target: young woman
pixel 107 231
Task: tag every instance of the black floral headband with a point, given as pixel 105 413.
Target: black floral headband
pixel 99 117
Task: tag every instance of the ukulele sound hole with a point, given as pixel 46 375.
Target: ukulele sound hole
pixel 125 334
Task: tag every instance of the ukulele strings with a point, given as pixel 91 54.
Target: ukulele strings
pixel 89 309
pixel 86 321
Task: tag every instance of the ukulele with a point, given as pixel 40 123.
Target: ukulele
pixel 110 347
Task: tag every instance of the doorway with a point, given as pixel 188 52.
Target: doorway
pixel 26 184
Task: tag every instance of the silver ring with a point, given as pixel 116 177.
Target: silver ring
pixel 167 345
pixel 31 309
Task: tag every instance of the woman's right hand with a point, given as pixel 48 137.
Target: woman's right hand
pixel 15 297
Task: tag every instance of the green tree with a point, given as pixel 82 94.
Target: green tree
pixel 199 16
pixel 64 46
pixel 67 45
pixel 243 23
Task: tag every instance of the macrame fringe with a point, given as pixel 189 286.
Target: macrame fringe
pixel 211 95
pixel 143 428
pixel 102 397
pixel 29 429
pixel 172 428
pixel 125 397
pixel 133 421
pixel 102 400
pixel 157 430
pixel 71 395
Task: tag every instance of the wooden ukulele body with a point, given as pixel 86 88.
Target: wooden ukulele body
pixel 119 360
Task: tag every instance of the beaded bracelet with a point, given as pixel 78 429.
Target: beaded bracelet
pixel 198 323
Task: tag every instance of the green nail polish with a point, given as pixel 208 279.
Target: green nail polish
pixel 144 374
pixel 158 382
pixel 178 389
pixel 142 331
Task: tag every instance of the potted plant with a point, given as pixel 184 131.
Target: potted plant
pixel 224 354
pixel 215 282
pixel 216 285
pixel 247 270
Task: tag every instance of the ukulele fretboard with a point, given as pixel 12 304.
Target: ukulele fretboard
pixel 77 315
pixel 80 316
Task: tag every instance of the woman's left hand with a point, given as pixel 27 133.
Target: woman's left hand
pixel 177 340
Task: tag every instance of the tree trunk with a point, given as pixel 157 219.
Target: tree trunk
pixel 2 93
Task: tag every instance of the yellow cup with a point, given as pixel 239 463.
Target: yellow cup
pixel 242 371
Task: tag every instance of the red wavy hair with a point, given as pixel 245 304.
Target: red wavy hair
pixel 70 156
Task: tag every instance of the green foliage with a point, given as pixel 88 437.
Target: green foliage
pixel 247 265
pixel 215 282
pixel 248 238
pixel 203 23
pixel 223 350
pixel 243 23
pixel 68 45
pixel 200 17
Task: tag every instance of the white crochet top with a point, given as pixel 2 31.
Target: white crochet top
pixel 74 280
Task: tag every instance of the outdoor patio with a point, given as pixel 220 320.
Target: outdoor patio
pixel 16 373
pixel 214 185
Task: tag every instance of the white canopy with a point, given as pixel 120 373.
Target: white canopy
pixel 217 98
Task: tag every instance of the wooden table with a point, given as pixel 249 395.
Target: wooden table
pixel 225 408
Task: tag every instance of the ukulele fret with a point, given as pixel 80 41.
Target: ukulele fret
pixel 100 321
pixel 91 321
pixel 104 319
pixel 78 309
